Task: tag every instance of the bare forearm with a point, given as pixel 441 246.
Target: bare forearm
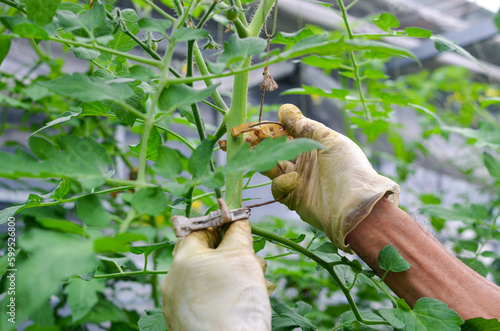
pixel 434 273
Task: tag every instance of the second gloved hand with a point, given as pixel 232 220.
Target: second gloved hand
pixel 333 189
pixel 219 288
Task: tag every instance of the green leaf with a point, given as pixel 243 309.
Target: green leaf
pixel 386 21
pixel 259 244
pixel 148 249
pixel 199 162
pixel 88 88
pixel 290 39
pixel 492 164
pixel 154 143
pixel 481 324
pixel 286 318
pixel 41 11
pixel 150 201
pixel 321 45
pixel 389 259
pixel 427 314
pixel 375 74
pixel 154 25
pixel 313 90
pixel 24 27
pixel 85 53
pixel 443 45
pixel 61 225
pixel 269 152
pixel 82 296
pixel 141 73
pixel 91 211
pixel 185 34
pixel 135 101
pixel 327 251
pixel 152 321
pixel 346 274
pixel 235 51
pixel 458 212
pixel 348 318
pixel 117 244
pixel 68 20
pixel 169 163
pixel 66 116
pixel 94 108
pixel 489 101
pixel 486 135
pixel 94 19
pixel 322 62
pixel 5 42
pixel 53 257
pixel 418 32
pixel 497 20
pixel 8 212
pixel 177 95
pixel 77 158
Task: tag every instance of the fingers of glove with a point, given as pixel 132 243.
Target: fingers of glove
pixel 238 235
pixel 197 241
pixel 283 167
pixel 284 184
pixel 300 126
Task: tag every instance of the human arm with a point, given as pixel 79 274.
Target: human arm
pixel 326 187
pixel 220 288
pixel 434 272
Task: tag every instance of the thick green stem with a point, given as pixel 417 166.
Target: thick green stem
pixel 236 115
pixel 258 19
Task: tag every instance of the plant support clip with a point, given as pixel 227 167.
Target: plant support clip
pixel 184 226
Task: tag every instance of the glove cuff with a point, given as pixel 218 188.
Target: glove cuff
pixel 359 207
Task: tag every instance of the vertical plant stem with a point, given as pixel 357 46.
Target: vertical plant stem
pixel 355 65
pixel 202 67
pixel 236 115
pixel 149 121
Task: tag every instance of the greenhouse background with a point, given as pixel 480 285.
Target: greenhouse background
pixel 433 169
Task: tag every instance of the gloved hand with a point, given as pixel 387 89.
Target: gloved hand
pixel 216 289
pixel 332 189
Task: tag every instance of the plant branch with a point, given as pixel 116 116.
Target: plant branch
pixel 327 266
pixel 353 60
pixel 160 11
pixel 129 56
pixel 14 5
pixel 132 273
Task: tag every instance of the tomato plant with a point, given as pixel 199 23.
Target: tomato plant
pixel 127 142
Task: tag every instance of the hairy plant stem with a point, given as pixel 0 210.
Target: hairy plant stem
pixel 14 5
pixel 128 220
pixel 129 56
pixel 236 115
pixel 149 121
pixel 328 266
pixel 132 273
pixel 355 66
pixel 202 67
pixel 160 11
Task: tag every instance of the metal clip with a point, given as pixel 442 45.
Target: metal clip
pixel 184 226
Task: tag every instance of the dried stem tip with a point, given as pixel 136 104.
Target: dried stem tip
pixel 269 84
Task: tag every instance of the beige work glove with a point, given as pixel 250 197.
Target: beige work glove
pixel 219 289
pixel 333 189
